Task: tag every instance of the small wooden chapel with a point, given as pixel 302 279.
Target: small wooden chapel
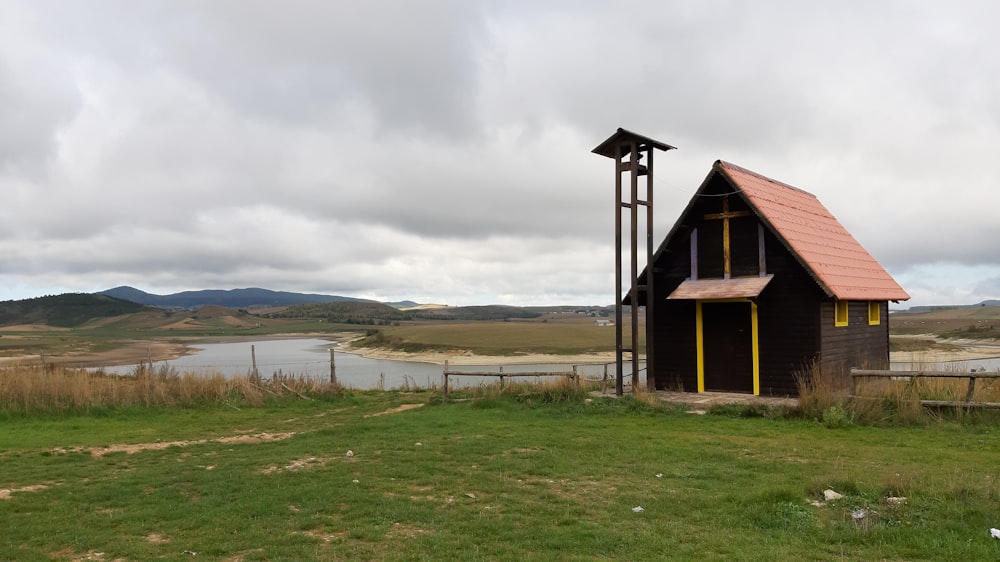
pixel 757 281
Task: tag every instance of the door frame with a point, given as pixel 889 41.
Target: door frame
pixel 700 341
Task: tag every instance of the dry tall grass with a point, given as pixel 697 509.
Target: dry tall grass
pixel 30 389
pixel 541 392
pixel 895 399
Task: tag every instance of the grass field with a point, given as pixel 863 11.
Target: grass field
pixel 533 474
pixel 562 337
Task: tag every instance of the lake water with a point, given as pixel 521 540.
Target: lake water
pixel 989 365
pixel 311 358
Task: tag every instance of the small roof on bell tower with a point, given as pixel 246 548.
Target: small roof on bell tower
pixel 626 137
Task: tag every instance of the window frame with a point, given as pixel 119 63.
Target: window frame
pixel 874 313
pixel 841 319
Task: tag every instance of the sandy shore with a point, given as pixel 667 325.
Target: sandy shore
pixel 138 351
pixel 438 358
pixel 131 353
pixel 968 350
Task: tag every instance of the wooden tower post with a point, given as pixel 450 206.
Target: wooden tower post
pixel 627 149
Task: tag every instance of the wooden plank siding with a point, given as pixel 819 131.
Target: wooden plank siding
pixel 676 347
pixel 674 329
pixel 856 345
pixel 788 321
pixel 743 239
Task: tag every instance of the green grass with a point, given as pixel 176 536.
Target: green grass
pixel 525 475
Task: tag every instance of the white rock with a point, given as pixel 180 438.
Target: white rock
pixel 859 514
pixel 638 509
pixel 418 444
pixel 830 495
pixel 659 475
pixel 350 453
pixel 356 481
pixel 995 533
pixel 895 500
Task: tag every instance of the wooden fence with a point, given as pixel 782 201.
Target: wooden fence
pixel 574 375
pixel 913 376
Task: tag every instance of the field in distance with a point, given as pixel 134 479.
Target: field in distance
pixel 92 330
pixel 556 334
pixel 96 329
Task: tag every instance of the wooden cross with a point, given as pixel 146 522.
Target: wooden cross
pixel 725 215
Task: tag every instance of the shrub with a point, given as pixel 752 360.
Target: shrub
pixel 837 417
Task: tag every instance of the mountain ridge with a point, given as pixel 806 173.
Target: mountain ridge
pixel 932 308
pixel 230 298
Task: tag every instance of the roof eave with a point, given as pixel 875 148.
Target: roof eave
pixel 607 148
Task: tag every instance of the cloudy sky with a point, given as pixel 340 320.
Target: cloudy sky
pixel 440 150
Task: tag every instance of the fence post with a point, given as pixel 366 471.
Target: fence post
pixel 333 369
pixel 853 388
pixel 445 378
pixel 576 377
pixel 253 361
pixel 972 389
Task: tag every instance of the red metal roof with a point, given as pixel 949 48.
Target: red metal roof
pixel 838 263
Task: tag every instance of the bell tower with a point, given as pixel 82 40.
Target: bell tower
pixel 627 149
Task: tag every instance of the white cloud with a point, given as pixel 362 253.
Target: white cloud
pixel 440 150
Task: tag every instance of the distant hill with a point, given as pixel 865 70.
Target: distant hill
pixel 932 308
pixel 487 312
pixel 64 311
pixel 232 298
pixel 380 313
pixel 345 312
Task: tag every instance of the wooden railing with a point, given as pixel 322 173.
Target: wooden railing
pixel 912 376
pixel 572 375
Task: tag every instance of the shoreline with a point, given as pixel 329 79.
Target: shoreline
pixel 139 351
pixel 133 352
pixel 468 358
pixel 969 350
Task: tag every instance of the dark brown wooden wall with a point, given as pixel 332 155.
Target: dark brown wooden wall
pixel 787 321
pixel 857 344
pixel 677 352
pixel 743 241
pixel 742 233
pixel 676 346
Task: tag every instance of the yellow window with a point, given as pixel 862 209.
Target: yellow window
pixel 840 313
pixel 874 313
